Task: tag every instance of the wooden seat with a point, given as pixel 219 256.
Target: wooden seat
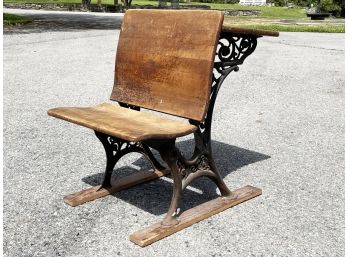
pixel 123 123
pixel 163 63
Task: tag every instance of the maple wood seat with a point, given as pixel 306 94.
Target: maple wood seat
pixel 171 62
pixel 123 123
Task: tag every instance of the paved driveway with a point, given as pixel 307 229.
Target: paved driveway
pixel 278 125
pixel 49 21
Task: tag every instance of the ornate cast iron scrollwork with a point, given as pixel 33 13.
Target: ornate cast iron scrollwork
pixel 115 148
pixel 186 168
pixel 231 52
pixel 198 166
pixel 117 145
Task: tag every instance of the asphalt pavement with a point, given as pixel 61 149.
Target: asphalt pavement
pixel 278 125
pixel 51 21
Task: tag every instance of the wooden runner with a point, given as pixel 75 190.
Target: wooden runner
pixel 157 231
pixel 96 192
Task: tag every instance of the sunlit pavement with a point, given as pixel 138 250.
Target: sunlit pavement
pixel 278 125
pixel 44 21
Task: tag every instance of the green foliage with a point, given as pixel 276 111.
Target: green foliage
pixel 219 1
pixel 334 6
pixel 266 11
pixel 277 2
pixel 86 3
pixel 281 12
pixel 126 3
pixel 11 19
pixel 323 28
pixel 302 3
pixel 329 6
pixel 276 12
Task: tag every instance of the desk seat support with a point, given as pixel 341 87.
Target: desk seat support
pixel 232 50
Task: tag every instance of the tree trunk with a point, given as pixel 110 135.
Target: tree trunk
pixel 86 3
pixel 127 3
pixel 162 3
pixel 175 3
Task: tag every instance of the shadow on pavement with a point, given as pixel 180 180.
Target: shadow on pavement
pixel 154 197
pixel 47 22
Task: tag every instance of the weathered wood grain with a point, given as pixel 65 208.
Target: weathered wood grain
pixel 157 231
pixel 96 192
pixel 123 123
pixel 252 32
pixel 165 58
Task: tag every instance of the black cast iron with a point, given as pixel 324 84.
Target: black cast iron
pixel 115 148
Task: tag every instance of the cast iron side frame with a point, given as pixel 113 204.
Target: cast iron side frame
pixel 232 50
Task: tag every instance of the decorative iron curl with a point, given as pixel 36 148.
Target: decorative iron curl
pixel 232 50
pixel 201 163
pixel 116 148
pixel 119 146
pixel 234 47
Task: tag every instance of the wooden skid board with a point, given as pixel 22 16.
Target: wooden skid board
pixel 93 193
pixel 157 231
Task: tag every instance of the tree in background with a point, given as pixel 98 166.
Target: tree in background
pixel 126 3
pixel 336 7
pixel 329 6
pixel 86 3
pixel 163 3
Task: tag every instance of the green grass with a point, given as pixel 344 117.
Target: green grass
pixel 10 19
pixel 323 28
pixel 264 21
pixel 266 12
pixel 45 1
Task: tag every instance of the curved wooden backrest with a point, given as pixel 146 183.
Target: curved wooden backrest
pixel 165 58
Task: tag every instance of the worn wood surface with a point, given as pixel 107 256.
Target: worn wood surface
pixel 123 123
pixel 93 193
pixel 157 231
pixel 164 60
pixel 252 32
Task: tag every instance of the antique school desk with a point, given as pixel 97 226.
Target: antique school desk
pixel 172 62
